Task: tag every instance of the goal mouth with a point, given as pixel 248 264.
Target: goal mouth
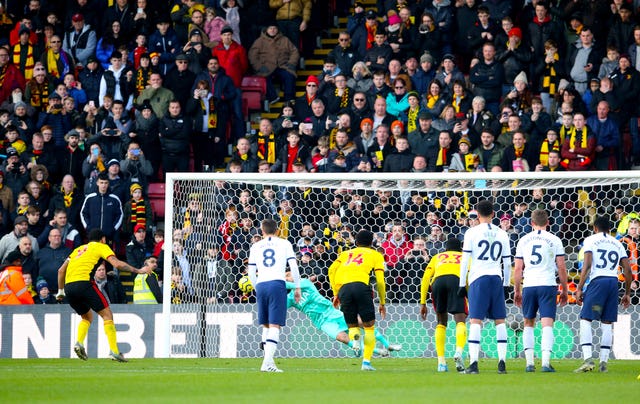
pixel 206 314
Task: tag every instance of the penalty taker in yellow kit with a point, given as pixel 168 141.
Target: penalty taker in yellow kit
pixel 349 277
pixel 75 282
pixel 443 276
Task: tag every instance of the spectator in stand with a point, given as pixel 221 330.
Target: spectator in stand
pixel 424 74
pixel 14 290
pixel 380 54
pixel 550 143
pixel 463 160
pixel 56 61
pixel 489 152
pixel 541 29
pixel 626 81
pixel 117 81
pixel 102 210
pixel 124 13
pixel 622 31
pixel 303 103
pixel 137 211
pixel 37 89
pixel 515 58
pixel 520 155
pixel 213 25
pixel 80 41
pixel 57 118
pixel 424 138
pixel 395 247
pixel 345 55
pixel 428 38
pixel 608 152
pixel 180 80
pixel 147 127
pixel 399 37
pixel 435 99
pixel 381 148
pixel 175 129
pixel 487 75
pixel 135 167
pixel 292 152
pixel 378 89
pixel 292 17
pixel 69 199
pixel 398 101
pixel 583 60
pixel 109 284
pixel 136 248
pixel 44 295
pixel 118 185
pixel 51 256
pixel 244 154
pixel 439 158
pixel 401 159
pixel 25 53
pixel 110 42
pixel 579 146
pixel 484 30
pixel 11 241
pixel 165 42
pixel 197 53
pixel 449 73
pixel 156 95
pixel 16 175
pixel 274 56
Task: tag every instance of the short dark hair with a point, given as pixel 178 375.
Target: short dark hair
pixel 453 244
pixel 103 176
pixel 269 226
pixel 96 235
pixel 364 238
pixel 602 224
pixel 539 217
pixel 484 208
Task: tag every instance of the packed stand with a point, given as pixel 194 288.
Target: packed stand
pixel 99 99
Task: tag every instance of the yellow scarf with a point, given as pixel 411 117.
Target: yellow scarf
pixel 344 99
pixel 431 100
pixel 100 164
pixel 28 63
pixel 412 116
pixel 548 80
pixel 68 198
pixel 578 137
pixel 442 157
pixel 284 225
pixel 266 147
pixel 544 151
pixel 22 210
pixel 52 63
pixel 457 100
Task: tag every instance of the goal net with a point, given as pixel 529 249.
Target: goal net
pixel 213 218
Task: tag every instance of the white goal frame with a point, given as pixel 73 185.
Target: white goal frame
pixel 526 180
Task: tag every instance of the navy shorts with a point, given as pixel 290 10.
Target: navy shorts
pixel 486 298
pixel 600 301
pixel 356 298
pixel 84 296
pixel 272 303
pixel 539 299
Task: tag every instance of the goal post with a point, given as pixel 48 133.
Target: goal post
pixel 212 218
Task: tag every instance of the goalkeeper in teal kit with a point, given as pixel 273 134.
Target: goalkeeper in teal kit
pixel 328 319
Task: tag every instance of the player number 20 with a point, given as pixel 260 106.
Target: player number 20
pixel 490 250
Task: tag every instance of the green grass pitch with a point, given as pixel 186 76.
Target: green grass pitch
pixel 305 381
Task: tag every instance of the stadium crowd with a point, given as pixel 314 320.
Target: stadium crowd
pixel 100 98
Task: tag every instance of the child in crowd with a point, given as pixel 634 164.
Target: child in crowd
pixel 137 210
pixel 43 295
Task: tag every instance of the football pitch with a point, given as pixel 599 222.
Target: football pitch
pixel 306 381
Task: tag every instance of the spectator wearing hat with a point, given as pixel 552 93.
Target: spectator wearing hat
pixel 44 294
pixel 424 138
pixel 302 104
pixel 515 58
pixel 425 73
pixel 165 42
pixel 56 61
pixel 464 160
pixel 197 52
pixel 12 77
pixel 16 174
pixel 583 60
pixel 399 37
pixel 136 249
pixel 180 80
pixel 233 13
pixel 90 78
pixel 102 210
pixel 449 73
pixel 80 41
pixel 13 289
pixel 25 53
pixel 11 241
pixel 366 137
pixel 118 185
pixel 274 56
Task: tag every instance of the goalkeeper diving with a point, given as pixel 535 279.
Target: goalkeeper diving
pixel 328 319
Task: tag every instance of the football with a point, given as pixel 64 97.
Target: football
pixel 245 285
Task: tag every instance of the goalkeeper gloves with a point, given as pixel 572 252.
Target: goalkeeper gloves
pixel 60 296
pixel 462 291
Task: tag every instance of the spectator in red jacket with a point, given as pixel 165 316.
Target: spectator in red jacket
pixel 10 77
pixel 232 56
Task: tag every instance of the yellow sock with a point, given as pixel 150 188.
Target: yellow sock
pixel 461 335
pixel 110 330
pixel 83 330
pixel 353 331
pixel 369 343
pixel 441 338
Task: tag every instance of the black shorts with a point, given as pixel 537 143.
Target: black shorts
pixel 84 296
pixel 444 294
pixel 356 298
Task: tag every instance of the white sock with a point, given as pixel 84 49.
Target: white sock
pixel 501 338
pixel 265 334
pixel 528 342
pixel 271 345
pixel 547 345
pixel 474 342
pixel 586 339
pixel 605 341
